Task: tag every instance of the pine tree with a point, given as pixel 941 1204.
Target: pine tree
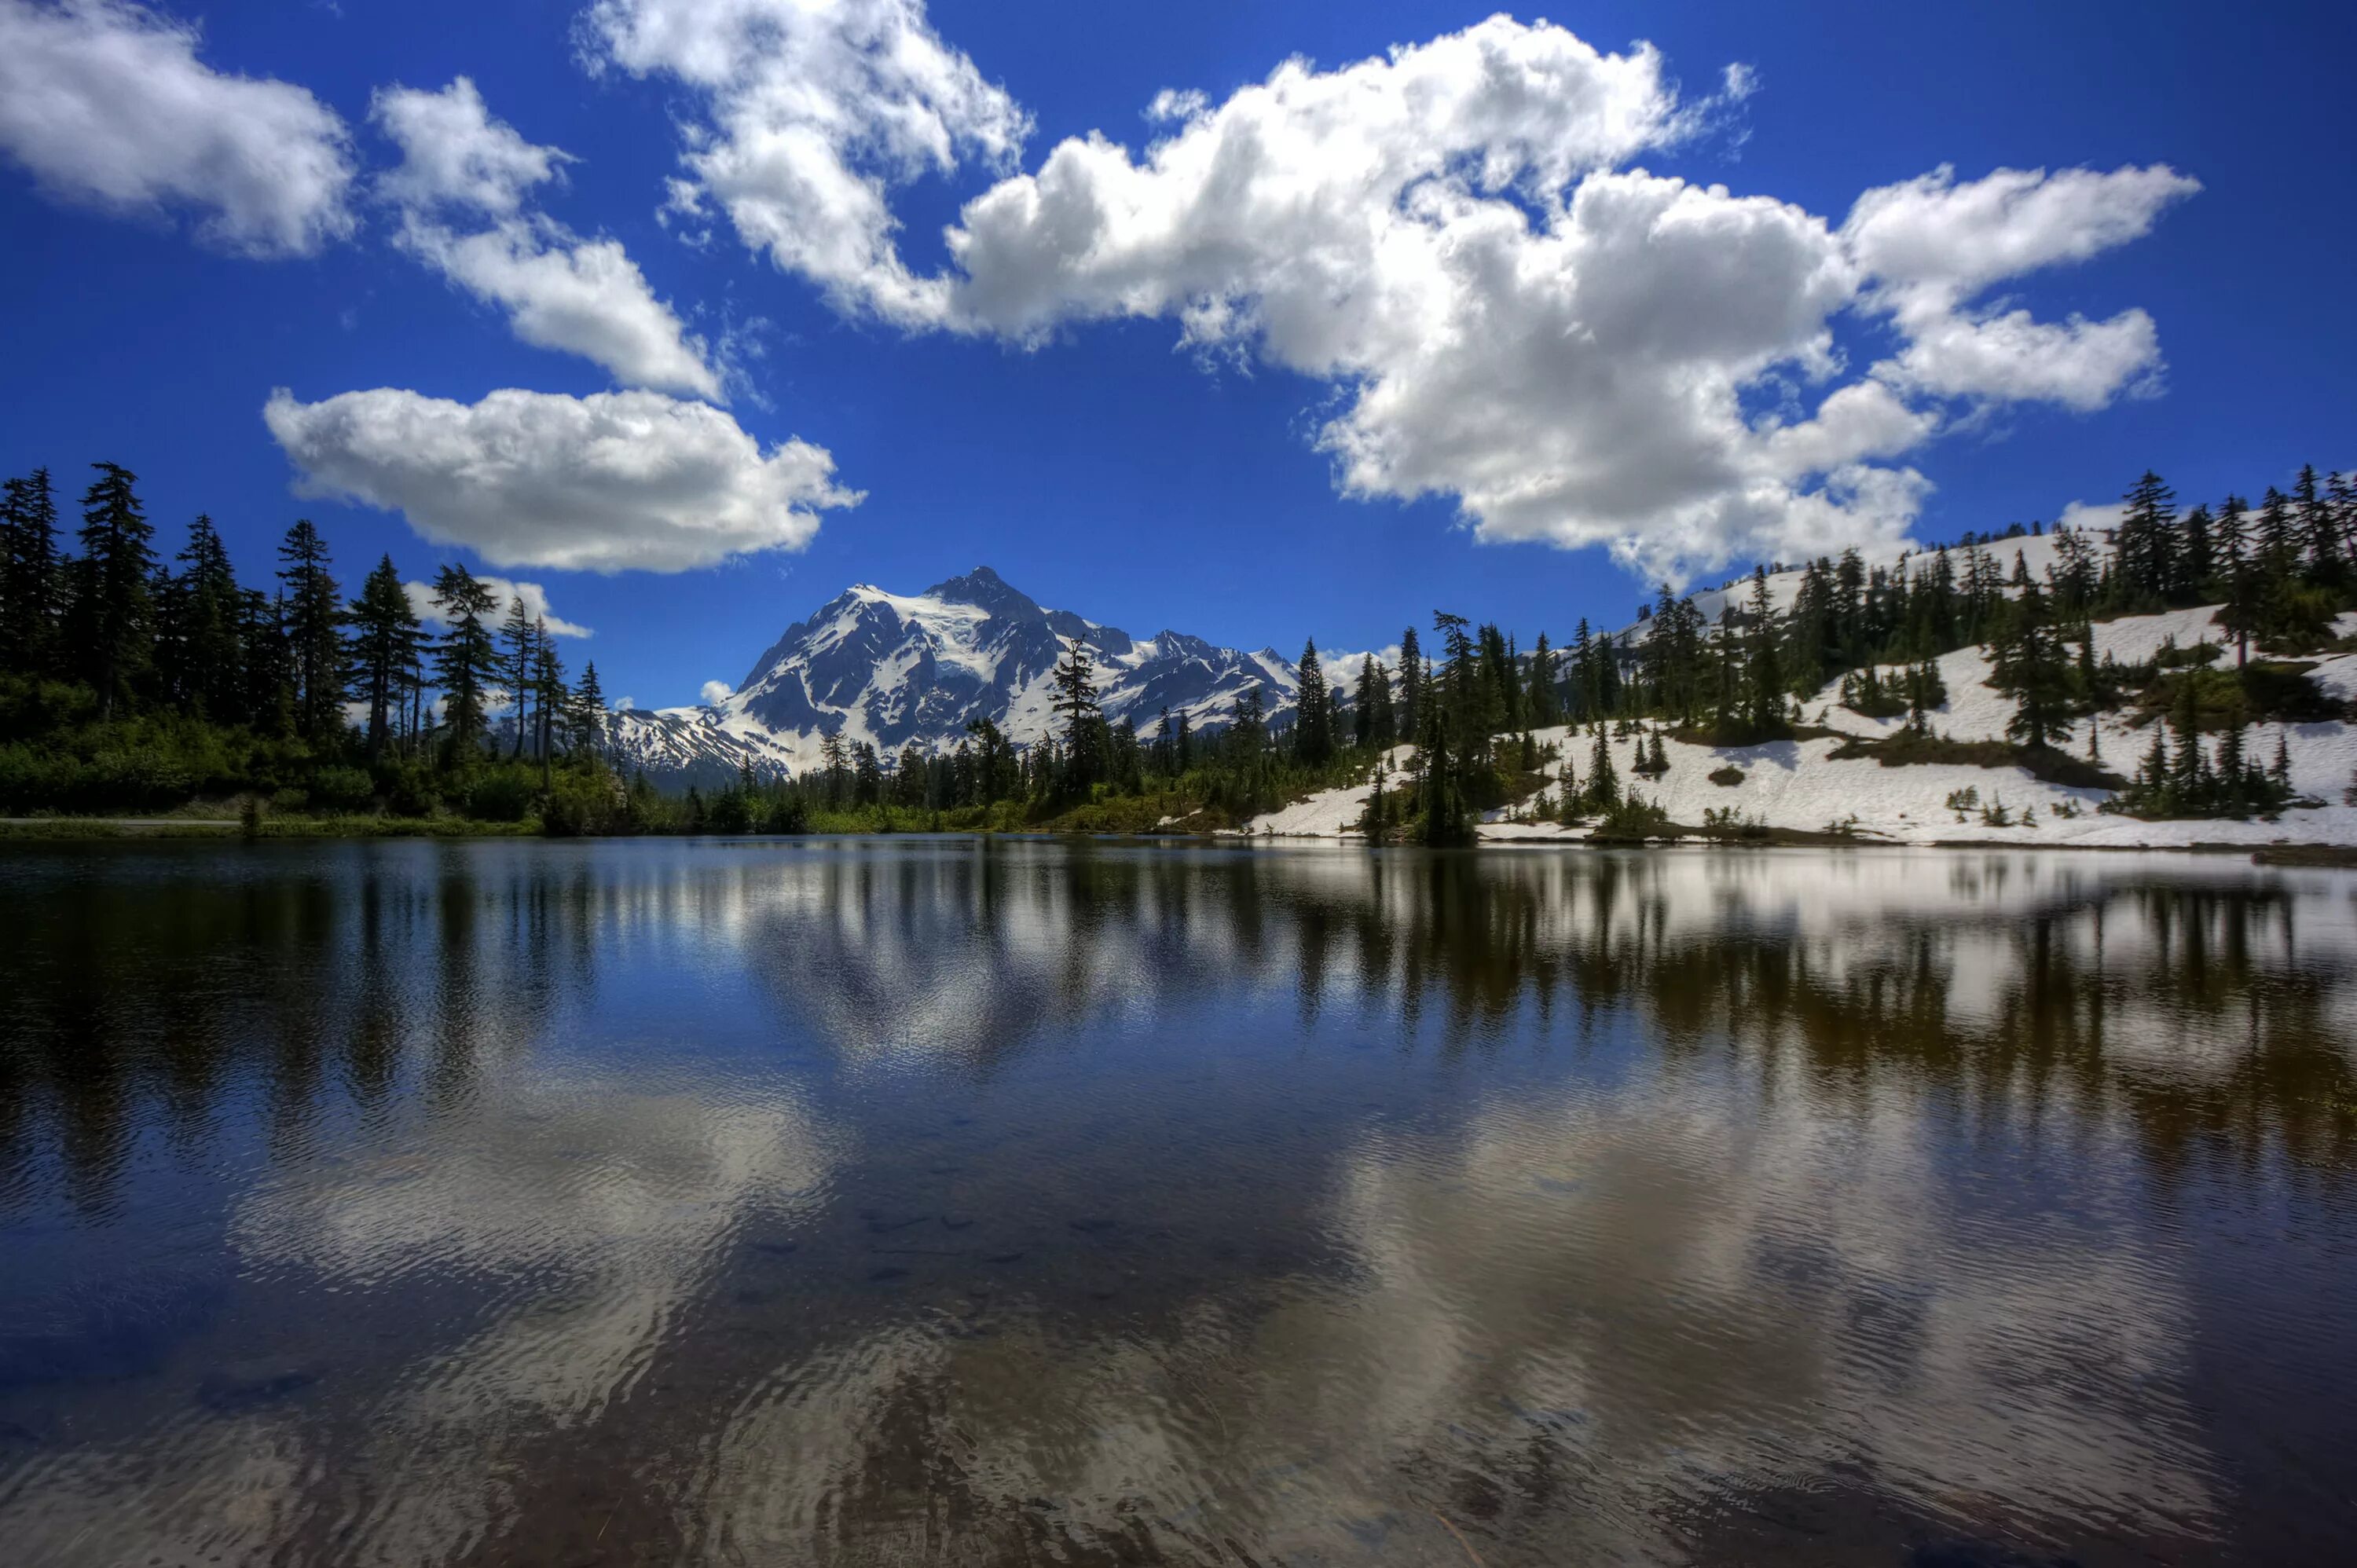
pixel 2146 554
pixel 522 655
pixel 28 575
pixel 1076 701
pixel 1410 706
pixel 2319 528
pixel 386 639
pixel 313 621
pixel 588 713
pixel 1603 782
pixel 464 660
pixel 113 618
pixel 548 697
pixel 1764 672
pixel 1313 733
pixel 2028 666
pixel 206 633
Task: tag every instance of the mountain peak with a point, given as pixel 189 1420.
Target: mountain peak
pixel 985 589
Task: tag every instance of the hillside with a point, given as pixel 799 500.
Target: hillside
pixel 1800 785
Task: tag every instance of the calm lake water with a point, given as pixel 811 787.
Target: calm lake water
pixel 940 1201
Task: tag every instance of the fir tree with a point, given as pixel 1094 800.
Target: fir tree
pixel 1410 706
pixel 2030 667
pixel 1076 701
pixel 205 632
pixel 385 646
pixel 588 713
pixel 2146 567
pixel 1313 734
pixel 113 601
pixel 28 575
pixel 312 620
pixel 516 635
pixel 466 657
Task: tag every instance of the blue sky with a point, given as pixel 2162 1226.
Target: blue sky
pixel 1027 402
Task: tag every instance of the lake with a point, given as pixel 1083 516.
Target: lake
pixel 944 1200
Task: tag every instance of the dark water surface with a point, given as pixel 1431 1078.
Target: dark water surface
pixel 935 1201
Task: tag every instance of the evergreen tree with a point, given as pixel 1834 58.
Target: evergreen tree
pixel 1076 701
pixel 28 575
pixel 1546 701
pixel 548 694
pixel 2319 528
pixel 588 713
pixel 2147 566
pixel 1411 685
pixel 207 614
pixel 1313 733
pixel 467 657
pixel 2029 666
pixel 522 655
pixel 113 620
pixel 312 622
pixel 1764 673
pixel 386 639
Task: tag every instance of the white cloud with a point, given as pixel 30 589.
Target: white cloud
pixel 463 188
pixel 625 704
pixel 1931 246
pixel 612 482
pixel 505 591
pixel 1455 237
pixel 106 103
pixel 715 692
pixel 809 113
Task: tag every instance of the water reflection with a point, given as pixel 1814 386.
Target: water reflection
pixel 1009 1202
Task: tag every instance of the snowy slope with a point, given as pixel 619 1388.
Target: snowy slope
pixel 896 669
pixel 1798 785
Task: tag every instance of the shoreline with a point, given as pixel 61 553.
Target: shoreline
pixel 2287 852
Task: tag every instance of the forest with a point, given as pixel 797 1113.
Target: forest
pixel 131 682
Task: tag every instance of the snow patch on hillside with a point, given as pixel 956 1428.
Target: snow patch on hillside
pixel 1797 784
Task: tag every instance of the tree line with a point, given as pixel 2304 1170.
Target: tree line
pixel 127 680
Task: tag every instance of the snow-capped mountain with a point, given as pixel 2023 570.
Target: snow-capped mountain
pixel 896 669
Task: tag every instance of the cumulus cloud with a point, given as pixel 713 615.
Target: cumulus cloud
pixel 106 103
pixel 715 692
pixel 506 591
pixel 612 482
pixel 1459 237
pixel 462 189
pixel 808 114
pixel 1931 246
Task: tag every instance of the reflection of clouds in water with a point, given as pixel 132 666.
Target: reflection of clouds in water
pixel 1603 1315
pixel 566 1224
pixel 1736 1258
pixel 201 1492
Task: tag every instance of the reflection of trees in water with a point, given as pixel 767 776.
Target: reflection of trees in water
pixel 162 992
pixel 2190 998
pixel 155 988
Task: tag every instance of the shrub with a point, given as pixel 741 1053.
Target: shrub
pixel 408 788
pixel 343 789
pixel 502 794
pixel 579 804
pixel 1729 776
pixel 1632 817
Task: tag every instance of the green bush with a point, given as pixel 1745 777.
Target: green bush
pixel 1729 776
pixel 502 793
pixel 338 789
pixel 581 804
